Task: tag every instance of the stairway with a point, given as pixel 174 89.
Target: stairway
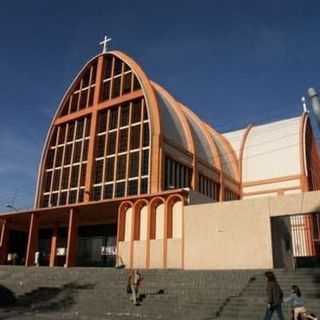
pixel 97 293
pixel 251 303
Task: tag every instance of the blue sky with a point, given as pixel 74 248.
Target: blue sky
pixel 232 62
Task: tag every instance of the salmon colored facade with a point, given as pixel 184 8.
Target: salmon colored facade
pixel 120 159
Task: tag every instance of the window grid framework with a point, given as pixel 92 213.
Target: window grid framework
pixel 118 79
pixel 83 94
pixel 69 164
pixel 229 195
pixel 209 187
pixel 177 175
pixel 122 142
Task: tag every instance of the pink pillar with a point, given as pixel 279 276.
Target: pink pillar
pixel 53 249
pixel 72 239
pixel 32 239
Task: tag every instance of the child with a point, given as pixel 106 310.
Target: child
pixel 297 302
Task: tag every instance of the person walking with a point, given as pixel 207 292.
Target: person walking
pixel 134 283
pixel 274 297
pixel 296 301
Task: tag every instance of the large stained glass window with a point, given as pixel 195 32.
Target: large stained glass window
pixel 66 164
pixel 122 151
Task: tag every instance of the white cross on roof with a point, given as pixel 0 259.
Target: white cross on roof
pixel 104 43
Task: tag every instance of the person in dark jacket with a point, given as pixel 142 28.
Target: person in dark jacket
pixel 274 297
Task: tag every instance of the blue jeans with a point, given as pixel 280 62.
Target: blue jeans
pixel 269 312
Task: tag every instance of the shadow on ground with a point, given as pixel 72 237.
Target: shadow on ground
pixel 42 299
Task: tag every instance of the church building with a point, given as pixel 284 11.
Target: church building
pixel 131 176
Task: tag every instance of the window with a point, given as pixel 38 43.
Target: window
pixel 96 193
pixel 209 187
pixel 98 171
pixel 124 119
pixel 100 146
pixel 134 164
pixel 145 162
pixel 113 121
pixel 132 187
pixel 177 175
pixel 116 87
pixel 111 148
pixel 121 167
pixel 74 176
pixel 77 151
pixel 123 140
pixel 102 123
pixel 127 83
pixel 109 169
pixel 136 111
pixel 120 188
pixel 108 191
pixel 135 137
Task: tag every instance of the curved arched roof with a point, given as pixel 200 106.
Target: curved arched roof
pixel 272 150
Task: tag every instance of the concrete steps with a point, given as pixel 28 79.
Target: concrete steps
pixel 96 293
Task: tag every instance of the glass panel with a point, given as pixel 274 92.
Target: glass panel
pixel 54 199
pixel 50 158
pixel 48 181
pixel 63 198
pixel 59 156
pixel 67 157
pixel 105 92
pixel 85 150
pixel 120 189
pixel 70 131
pixel 134 164
pixel 56 180
pixel 72 196
pixel 116 87
pixel 80 125
pixel 113 120
pixel 62 134
pixel 144 186
pixel 145 162
pixel 127 83
pixel 132 187
pixel 117 66
pixel 74 102
pixel 111 143
pixel 108 191
pixel 74 176
pixel 83 99
pixel 135 137
pixel 146 135
pixel 108 67
pixel 65 178
pixel 100 146
pixel 136 111
pixel 96 193
pixel 98 171
pixel 83 174
pixel 77 151
pixel 102 122
pixel 121 167
pixel 123 140
pixel 86 78
pixel 124 118
pixel 109 169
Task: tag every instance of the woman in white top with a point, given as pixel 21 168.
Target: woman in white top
pixel 296 301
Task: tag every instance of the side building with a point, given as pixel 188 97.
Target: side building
pixel 124 161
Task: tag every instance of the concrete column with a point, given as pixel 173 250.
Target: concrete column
pixel 4 242
pixel 53 249
pixel 72 239
pixel 32 239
